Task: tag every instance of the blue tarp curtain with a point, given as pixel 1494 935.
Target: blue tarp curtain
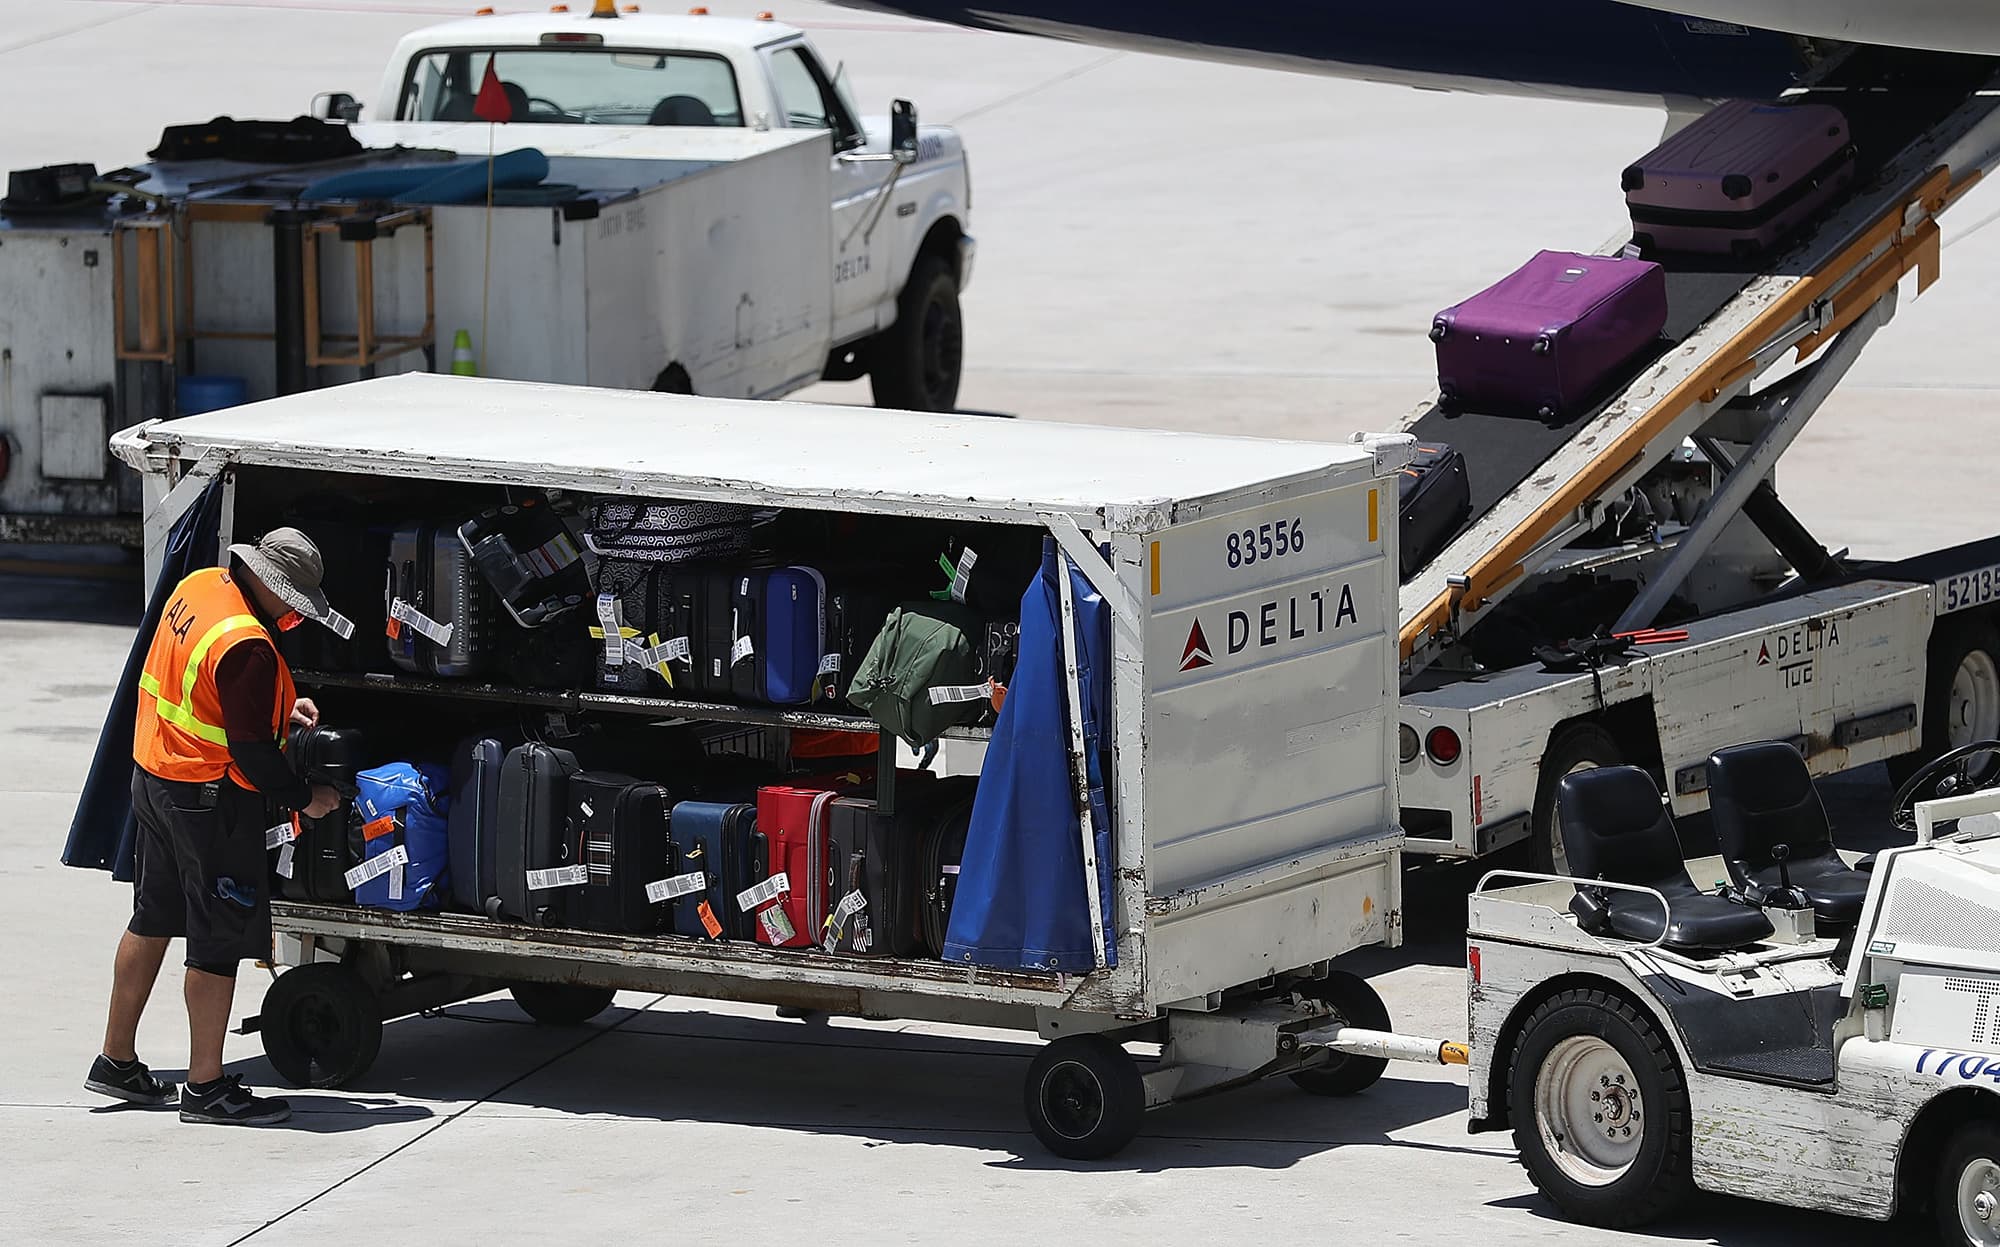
pixel 1022 901
pixel 101 832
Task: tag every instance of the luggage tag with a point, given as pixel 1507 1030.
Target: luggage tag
pixel 961 575
pixel 706 913
pixel 836 922
pixel 401 612
pixel 558 877
pixel 282 834
pixel 677 885
pixel 753 898
pixel 776 925
pixel 944 694
pixel 376 867
pixel 608 615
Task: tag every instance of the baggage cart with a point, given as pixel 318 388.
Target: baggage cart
pixel 1251 586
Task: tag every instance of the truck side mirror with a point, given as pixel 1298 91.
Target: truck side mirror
pixel 903 132
pixel 337 106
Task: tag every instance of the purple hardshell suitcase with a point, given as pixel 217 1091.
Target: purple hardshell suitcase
pixel 1546 339
pixel 1740 178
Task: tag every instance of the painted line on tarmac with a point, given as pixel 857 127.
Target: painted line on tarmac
pixel 453 1116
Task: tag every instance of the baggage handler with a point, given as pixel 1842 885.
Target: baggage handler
pixel 216 703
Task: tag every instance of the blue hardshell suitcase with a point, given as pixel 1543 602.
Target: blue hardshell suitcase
pixel 721 841
pixel 794 634
pixel 474 821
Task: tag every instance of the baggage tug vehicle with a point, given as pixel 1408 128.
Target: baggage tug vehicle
pixel 1834 1047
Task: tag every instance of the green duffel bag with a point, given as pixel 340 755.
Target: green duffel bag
pixel 921 675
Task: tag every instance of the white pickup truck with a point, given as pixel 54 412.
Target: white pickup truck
pixel 575 79
pixel 685 204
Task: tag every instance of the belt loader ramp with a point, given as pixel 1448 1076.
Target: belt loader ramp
pixel 1653 515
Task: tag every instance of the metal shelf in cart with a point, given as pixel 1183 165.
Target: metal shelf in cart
pixel 1252 823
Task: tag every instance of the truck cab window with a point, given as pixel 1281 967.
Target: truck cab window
pixel 809 100
pixel 578 86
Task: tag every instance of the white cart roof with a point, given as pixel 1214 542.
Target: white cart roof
pixel 770 453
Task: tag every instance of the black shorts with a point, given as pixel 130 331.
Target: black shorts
pixel 191 838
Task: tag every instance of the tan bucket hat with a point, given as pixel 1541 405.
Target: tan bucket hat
pixel 289 564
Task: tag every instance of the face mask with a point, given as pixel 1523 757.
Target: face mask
pixel 291 619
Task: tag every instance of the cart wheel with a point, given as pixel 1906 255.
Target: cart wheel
pixel 1600 1111
pixel 1967 1199
pixel 561 1004
pixel 322 1025
pixel 1354 1003
pixel 1084 1097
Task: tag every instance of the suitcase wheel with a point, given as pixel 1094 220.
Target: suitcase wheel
pixel 1736 186
pixel 1438 330
pixel 1542 346
pixel 1546 413
pixel 1634 178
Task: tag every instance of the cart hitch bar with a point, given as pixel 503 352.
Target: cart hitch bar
pixel 1387 1045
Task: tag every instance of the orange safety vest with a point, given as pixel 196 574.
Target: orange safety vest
pixel 179 734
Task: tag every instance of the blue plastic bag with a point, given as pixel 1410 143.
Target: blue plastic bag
pixel 404 805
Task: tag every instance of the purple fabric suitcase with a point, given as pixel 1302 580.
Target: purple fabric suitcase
pixel 1547 338
pixel 1740 178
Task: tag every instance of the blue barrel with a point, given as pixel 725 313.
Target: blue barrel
pixel 201 392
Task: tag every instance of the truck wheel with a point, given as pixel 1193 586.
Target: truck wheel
pixel 1578 747
pixel 1961 694
pixel 561 1004
pixel 1354 1003
pixel 1600 1111
pixel 914 363
pixel 1967 1199
pixel 321 1024
pixel 1084 1097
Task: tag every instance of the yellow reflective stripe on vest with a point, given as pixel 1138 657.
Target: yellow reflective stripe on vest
pixel 181 714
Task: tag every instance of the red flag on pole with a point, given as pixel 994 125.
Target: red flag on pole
pixel 492 103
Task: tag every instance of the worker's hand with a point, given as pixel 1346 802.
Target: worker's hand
pixel 304 713
pixel 324 801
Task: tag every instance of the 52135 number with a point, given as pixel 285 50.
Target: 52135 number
pixel 1266 541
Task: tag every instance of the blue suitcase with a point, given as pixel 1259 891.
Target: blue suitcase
pixel 721 841
pixel 780 635
pixel 474 821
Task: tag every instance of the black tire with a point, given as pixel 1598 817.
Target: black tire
pixel 1083 1097
pixel 1973 1147
pixel 1659 1173
pixel 915 363
pixel 561 1004
pixel 673 379
pixel 1955 644
pixel 1572 748
pixel 321 1024
pixel 1354 1003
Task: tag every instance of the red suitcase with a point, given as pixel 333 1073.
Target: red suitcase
pixel 797 823
pixel 1740 178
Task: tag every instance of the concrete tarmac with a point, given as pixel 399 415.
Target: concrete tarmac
pixel 1162 243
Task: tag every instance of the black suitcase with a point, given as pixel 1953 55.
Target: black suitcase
pixel 942 847
pixel 1433 498
pixel 473 823
pixel 431 574
pixel 534 812
pixel 352 556
pixel 321 858
pixel 746 658
pixel 871 882
pixel 720 841
pixel 629 593
pixel 855 611
pixel 528 559
pixel 619 832
pixel 713 675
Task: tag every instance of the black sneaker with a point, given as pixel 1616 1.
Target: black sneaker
pixel 129 1081
pixel 227 1102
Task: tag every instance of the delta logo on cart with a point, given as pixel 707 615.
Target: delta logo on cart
pixel 1272 623
pixel 1792 652
pixel 1195 655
